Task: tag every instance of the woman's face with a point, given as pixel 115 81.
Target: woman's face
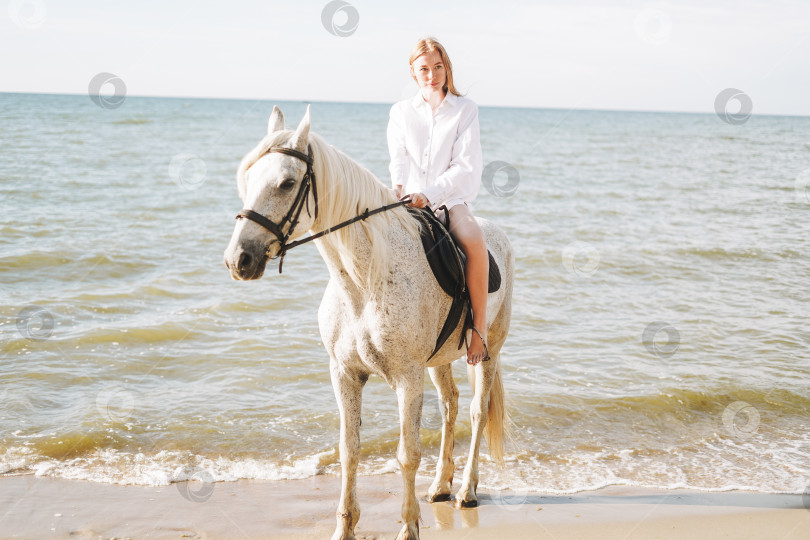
pixel 429 71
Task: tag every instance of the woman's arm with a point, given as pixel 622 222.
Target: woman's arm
pixel 399 166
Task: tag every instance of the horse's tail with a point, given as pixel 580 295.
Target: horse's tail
pixel 497 418
pixel 497 427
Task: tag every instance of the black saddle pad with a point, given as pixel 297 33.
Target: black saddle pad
pixel 447 261
pixel 446 258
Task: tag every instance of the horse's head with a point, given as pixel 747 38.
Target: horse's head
pixel 271 184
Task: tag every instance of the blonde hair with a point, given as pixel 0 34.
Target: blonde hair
pixel 429 44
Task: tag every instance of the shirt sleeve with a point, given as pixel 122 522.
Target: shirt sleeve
pixel 464 172
pixel 399 166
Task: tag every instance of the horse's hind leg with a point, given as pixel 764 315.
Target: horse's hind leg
pixel 442 377
pixel 409 395
pixel 348 392
pixel 481 376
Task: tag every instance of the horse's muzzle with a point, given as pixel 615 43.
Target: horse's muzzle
pixel 246 262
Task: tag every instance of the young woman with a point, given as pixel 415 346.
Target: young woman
pixel 435 148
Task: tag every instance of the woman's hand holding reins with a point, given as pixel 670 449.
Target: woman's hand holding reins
pixel 418 200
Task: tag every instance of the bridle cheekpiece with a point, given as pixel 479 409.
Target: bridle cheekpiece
pixel 307 183
pixel 301 200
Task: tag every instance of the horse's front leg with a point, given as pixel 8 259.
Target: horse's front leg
pixel 348 392
pixel 483 375
pixel 409 453
pixel 442 377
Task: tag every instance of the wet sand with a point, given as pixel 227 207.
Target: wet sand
pixel 40 507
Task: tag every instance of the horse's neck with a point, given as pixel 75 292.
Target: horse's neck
pixel 361 249
pixel 337 269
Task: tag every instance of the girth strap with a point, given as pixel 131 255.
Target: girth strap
pixel 436 239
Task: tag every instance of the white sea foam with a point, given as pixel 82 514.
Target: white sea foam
pixel 576 473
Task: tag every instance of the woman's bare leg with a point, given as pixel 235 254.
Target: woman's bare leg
pixel 469 235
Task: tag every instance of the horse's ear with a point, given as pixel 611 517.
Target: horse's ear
pixel 301 135
pixel 276 122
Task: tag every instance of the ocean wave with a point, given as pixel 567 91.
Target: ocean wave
pixel 557 475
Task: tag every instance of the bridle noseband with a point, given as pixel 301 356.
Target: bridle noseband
pixel 301 200
pixel 298 205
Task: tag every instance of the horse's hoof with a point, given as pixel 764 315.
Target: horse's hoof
pixel 439 497
pixel 409 533
pixel 467 504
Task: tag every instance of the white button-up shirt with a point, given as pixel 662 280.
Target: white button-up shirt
pixel 438 154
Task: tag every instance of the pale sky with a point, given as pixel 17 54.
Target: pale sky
pixel 626 55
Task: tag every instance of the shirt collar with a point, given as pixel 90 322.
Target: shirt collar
pixel 417 100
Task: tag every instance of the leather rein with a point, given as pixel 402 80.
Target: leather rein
pixel 301 200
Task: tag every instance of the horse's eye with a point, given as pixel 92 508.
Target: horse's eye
pixel 288 184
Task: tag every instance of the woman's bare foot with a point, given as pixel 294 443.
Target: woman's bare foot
pixel 477 350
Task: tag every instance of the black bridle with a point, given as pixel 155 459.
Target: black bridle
pixel 301 200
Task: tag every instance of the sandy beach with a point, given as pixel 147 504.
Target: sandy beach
pixel 39 507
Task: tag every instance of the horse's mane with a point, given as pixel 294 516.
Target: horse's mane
pixel 345 190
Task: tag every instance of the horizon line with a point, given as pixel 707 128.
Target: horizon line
pixel 657 111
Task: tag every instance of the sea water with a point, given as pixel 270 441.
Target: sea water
pixel 659 330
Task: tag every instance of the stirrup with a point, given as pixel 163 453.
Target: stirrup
pixel 486 357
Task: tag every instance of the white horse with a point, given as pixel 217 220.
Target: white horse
pixel 382 309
